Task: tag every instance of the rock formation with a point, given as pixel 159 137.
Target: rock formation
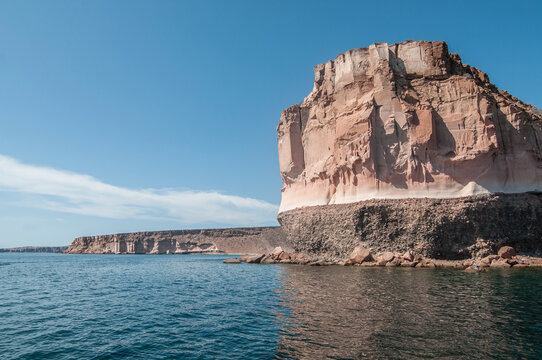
pixel 409 121
pixel 228 241
pixel 454 228
pixel 406 120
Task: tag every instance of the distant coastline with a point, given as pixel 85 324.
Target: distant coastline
pixel 36 249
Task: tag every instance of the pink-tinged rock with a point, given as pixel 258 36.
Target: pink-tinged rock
pixel 232 261
pixel 254 259
pixel 406 120
pixel 499 264
pixel 283 256
pixel 507 252
pixel 387 256
pixel 409 263
pixel 267 260
pixel 276 252
pixel 408 256
pixel 381 262
pixel 360 254
pixel 393 263
pixel 244 257
pixel 489 259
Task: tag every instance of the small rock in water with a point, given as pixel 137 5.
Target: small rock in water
pixel 232 261
pixel 267 260
pixel 255 259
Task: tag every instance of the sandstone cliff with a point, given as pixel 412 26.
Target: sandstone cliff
pixel 229 241
pixel 406 120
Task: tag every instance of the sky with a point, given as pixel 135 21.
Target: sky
pixel 122 116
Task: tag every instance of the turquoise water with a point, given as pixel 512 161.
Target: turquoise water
pixel 174 307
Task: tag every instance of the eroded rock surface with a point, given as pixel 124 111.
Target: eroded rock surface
pixel 228 241
pixel 406 120
pixel 456 228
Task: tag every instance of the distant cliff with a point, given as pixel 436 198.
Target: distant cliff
pixel 36 249
pixel 227 241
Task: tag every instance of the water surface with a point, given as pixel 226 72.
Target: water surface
pixel 55 306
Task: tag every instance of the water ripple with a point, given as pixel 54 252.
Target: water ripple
pixel 169 307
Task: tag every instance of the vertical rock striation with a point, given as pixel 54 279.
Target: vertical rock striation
pixel 229 241
pixel 407 121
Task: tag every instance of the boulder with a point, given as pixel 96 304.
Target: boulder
pixel 489 259
pixel 254 259
pixel 507 252
pixel 283 256
pixel 381 262
pixel 276 252
pixel 360 254
pixel 232 261
pixel 499 264
pixel 408 256
pixel 267 260
pixel 387 256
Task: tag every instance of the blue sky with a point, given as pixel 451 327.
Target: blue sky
pixel 119 116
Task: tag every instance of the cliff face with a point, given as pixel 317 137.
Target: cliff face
pixel 456 228
pixel 407 120
pixel 229 241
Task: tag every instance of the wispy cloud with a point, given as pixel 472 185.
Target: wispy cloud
pixel 64 191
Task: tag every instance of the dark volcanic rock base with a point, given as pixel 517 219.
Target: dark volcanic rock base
pixel 437 228
pixel 229 241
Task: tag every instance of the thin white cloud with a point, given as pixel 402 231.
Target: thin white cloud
pixel 64 191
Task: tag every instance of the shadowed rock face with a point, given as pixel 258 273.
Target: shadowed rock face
pixel 406 120
pixel 457 228
pixel 229 241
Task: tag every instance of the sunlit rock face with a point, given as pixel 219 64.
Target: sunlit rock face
pixel 205 241
pixel 406 120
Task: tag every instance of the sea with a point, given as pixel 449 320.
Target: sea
pixel 55 306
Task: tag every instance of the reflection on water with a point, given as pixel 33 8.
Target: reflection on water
pixel 338 312
pixel 56 306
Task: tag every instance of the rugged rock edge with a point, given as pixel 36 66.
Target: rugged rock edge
pixel 458 228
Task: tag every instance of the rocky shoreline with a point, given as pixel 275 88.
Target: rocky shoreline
pixel 505 258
